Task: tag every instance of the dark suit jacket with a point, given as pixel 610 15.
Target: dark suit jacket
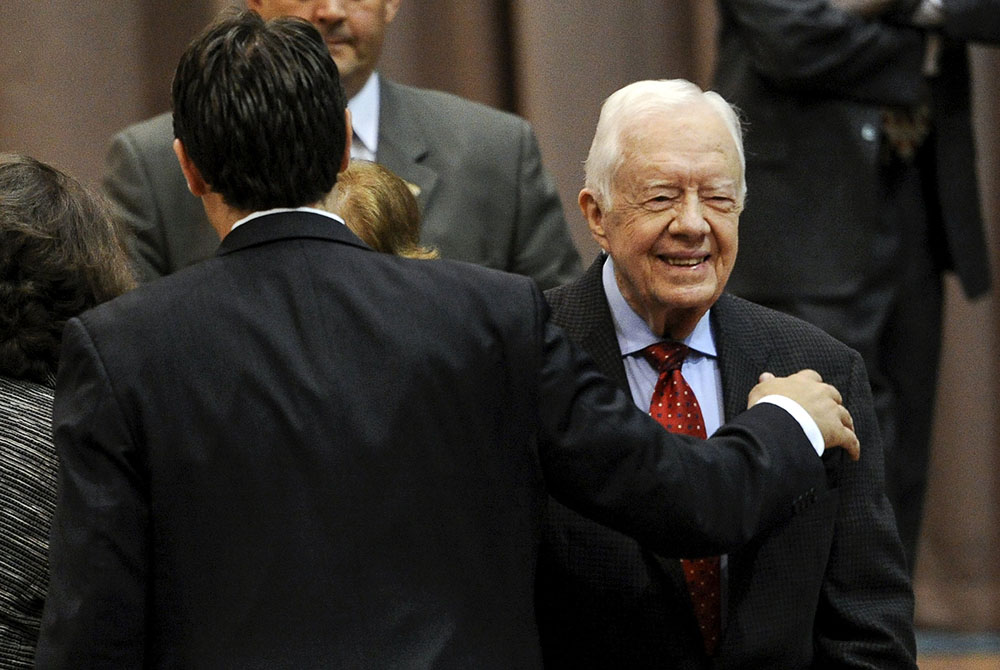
pixel 811 82
pixel 826 589
pixel 305 454
pixel 484 195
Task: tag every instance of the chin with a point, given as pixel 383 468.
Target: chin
pixel 689 297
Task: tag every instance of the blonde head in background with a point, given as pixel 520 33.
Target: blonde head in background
pixel 379 208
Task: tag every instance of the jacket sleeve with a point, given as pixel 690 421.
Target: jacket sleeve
pixel 94 615
pixel 133 199
pixel 606 459
pixel 810 46
pixel 864 618
pixel 972 20
pixel 543 247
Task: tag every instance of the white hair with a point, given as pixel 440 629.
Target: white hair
pixel 633 102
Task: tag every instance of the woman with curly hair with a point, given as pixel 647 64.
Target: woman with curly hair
pixel 60 254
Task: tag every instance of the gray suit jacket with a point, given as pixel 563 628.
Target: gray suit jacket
pixel 811 82
pixel 484 195
pixel 275 465
pixel 826 589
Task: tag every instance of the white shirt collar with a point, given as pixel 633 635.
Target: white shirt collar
pixel 633 332
pixel 277 210
pixel 364 118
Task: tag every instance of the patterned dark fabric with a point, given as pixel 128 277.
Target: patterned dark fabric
pixel 28 496
pixel 826 589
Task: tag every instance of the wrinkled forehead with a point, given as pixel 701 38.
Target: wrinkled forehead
pixel 694 119
pixel 682 132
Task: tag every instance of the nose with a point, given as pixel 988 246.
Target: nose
pixel 690 220
pixel 329 11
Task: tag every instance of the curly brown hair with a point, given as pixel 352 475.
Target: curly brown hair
pixel 60 254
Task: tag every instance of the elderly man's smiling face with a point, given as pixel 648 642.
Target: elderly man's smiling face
pixel 671 228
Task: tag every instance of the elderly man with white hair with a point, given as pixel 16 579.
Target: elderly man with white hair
pixel 664 192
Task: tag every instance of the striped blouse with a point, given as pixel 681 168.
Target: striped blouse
pixel 27 500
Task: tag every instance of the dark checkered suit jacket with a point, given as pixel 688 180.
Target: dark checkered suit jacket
pixel 827 589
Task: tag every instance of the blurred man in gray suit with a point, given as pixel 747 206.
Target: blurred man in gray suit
pixel 476 171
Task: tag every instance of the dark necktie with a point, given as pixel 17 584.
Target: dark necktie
pixel 674 406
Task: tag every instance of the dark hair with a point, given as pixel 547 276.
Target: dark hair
pixel 259 109
pixel 379 208
pixel 60 254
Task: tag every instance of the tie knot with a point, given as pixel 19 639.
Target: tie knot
pixel 665 356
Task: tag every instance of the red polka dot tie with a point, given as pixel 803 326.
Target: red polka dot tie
pixel 674 406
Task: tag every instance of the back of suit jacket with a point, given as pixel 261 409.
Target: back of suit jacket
pixel 302 453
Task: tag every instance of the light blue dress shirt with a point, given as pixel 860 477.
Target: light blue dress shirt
pixel 700 367
pixel 364 119
pixel 700 370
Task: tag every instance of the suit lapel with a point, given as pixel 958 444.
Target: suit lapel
pixel 742 356
pixel 402 145
pixel 581 308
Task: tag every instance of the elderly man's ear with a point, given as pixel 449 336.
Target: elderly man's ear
pixel 594 214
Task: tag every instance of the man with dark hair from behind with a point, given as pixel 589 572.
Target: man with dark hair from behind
pixel 302 453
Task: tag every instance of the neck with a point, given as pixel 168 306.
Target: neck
pixel 220 215
pixel 669 323
pixel 673 323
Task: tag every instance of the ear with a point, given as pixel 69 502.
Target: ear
pixel 192 175
pixel 254 5
pixel 391 8
pixel 594 215
pixel 346 158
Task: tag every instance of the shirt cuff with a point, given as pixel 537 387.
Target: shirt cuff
pixel 809 426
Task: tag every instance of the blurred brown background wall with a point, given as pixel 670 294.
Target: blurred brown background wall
pixel 73 73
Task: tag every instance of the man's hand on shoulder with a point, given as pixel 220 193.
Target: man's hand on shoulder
pixel 822 401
